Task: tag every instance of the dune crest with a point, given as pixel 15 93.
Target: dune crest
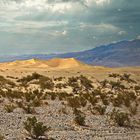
pixel 52 63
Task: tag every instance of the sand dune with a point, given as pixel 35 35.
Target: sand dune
pixel 63 63
pixel 52 63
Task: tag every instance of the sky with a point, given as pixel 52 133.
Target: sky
pixel 58 26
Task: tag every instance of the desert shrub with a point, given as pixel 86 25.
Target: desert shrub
pixel 60 85
pixel 13 94
pixel 97 92
pixel 80 83
pixel 100 109
pixel 9 108
pixel 34 98
pixel 92 99
pixel 127 101
pixel 2 93
pixel 114 75
pixel 4 82
pixel 83 101
pixel 34 128
pixel 29 78
pixel 79 117
pixel 117 85
pixel 126 77
pixel 30 100
pixel 29 96
pixel 51 95
pixel 63 95
pixel 123 77
pixel 131 95
pixel 86 82
pixel 116 102
pixel 63 110
pixel 72 81
pixel 137 88
pixel 74 102
pixel 36 102
pixel 1 137
pixel 58 79
pixel 104 83
pixel 46 83
pixel 120 118
pixel 104 98
pixel 76 89
pixel 26 106
pixel 124 98
pixel 133 109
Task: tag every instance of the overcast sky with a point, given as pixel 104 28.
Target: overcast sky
pixel 56 26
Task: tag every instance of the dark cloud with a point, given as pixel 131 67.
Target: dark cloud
pixel 65 25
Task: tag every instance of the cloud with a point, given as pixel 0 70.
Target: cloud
pixel 64 32
pixel 15 26
pixel 122 32
pixel 100 27
pixel 138 37
pixel 58 33
pixel 43 24
pixel 97 2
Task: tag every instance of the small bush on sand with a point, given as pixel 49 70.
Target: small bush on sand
pixel 9 108
pixel 35 129
pixel 120 118
pixel 29 78
pixel 85 82
pixel 1 137
pixel 133 109
pixel 79 117
pixel 74 102
pixel 100 109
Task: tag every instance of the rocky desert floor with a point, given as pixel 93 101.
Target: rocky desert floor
pixel 76 103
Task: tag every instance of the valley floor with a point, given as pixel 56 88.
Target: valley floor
pixel 55 111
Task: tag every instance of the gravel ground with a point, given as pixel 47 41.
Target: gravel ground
pixel 63 126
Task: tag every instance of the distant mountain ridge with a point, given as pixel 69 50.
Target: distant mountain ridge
pixel 119 54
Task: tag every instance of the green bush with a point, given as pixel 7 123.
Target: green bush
pixel 9 108
pixel 1 137
pixel 133 109
pixel 27 107
pixel 74 102
pixel 4 82
pixel 29 78
pixel 79 117
pixel 46 83
pixel 120 118
pixel 100 109
pixel 34 128
pixel 85 82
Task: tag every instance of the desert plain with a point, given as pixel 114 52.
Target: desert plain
pixel 75 100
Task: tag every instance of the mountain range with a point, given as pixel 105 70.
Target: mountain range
pixel 120 54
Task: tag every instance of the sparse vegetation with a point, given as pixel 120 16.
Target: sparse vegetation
pixel 9 108
pixel 79 117
pixel 1 137
pixel 35 129
pixel 120 118
pixel 36 92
